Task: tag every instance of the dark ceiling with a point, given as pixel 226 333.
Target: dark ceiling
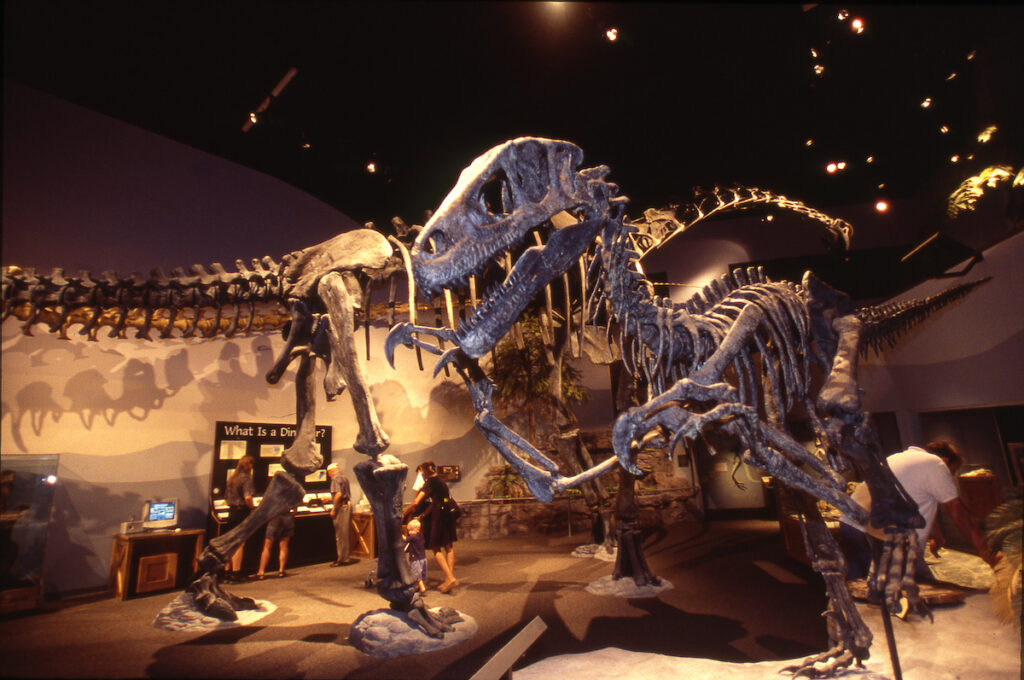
pixel 687 95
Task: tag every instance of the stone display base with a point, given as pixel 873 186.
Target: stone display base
pixel 386 633
pixel 182 616
pixel 626 587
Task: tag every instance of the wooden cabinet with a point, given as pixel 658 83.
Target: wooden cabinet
pixel 980 493
pixel 362 535
pixel 152 561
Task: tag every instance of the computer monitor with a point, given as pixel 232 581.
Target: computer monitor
pixel 160 514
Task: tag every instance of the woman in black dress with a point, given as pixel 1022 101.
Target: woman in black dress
pixel 438 526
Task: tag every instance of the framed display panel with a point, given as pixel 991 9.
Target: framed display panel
pixel 264 442
pixel 313 540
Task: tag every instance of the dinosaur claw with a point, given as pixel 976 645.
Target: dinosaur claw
pixel 399 335
pixel 623 436
pixel 449 357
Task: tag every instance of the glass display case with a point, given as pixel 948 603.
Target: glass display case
pixel 27 485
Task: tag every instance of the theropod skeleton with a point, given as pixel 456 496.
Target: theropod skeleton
pixel 738 358
pixel 319 289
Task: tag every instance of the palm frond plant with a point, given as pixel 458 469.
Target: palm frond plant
pixel 1003 529
pixel 525 377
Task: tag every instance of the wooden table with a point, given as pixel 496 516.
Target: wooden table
pixel 153 560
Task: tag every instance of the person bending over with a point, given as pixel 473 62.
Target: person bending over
pixel 927 475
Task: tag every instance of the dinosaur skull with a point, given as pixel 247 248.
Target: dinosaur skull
pixel 498 199
pixel 501 196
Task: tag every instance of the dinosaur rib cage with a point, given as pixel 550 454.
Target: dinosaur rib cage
pixel 664 342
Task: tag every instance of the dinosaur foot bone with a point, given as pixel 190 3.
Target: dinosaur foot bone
pixel 824 665
pixel 214 601
pixel 892 575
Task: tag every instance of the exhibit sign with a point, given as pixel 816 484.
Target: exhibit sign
pixel 265 442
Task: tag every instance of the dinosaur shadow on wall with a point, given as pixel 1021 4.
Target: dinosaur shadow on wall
pixel 87 394
pixel 232 379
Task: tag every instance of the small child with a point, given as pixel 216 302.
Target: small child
pixel 417 553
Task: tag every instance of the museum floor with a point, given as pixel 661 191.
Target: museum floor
pixel 737 598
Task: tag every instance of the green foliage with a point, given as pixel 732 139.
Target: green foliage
pixel 505 482
pixel 523 376
pixel 1003 527
pixel 1003 532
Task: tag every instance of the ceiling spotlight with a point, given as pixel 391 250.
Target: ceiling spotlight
pixel 971 54
pixel 769 218
pixel 944 129
pixel 986 134
pixel 809 142
pixel 881 185
pixel 831 168
pixel 819 70
pixel 926 103
pixel 869 159
pixel 857 25
pixel 843 15
pixel 954 159
pixel 276 92
pixel 841 165
pixel 371 167
pixel 882 205
pixel 307 145
pixel 951 76
pixel 612 34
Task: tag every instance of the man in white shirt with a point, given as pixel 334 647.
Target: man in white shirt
pixel 927 475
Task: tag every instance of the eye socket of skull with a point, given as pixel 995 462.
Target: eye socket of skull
pixel 496 195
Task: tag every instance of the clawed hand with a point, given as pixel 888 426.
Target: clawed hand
pixel 892 576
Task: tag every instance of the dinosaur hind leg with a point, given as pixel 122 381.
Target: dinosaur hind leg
pixel 344 367
pixel 283 493
pixel 849 637
pixel 851 431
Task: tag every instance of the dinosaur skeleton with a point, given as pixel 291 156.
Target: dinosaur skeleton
pixel 738 357
pixel 320 291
